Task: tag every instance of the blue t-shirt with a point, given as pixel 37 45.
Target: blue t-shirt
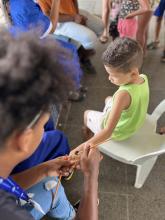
pixel 26 14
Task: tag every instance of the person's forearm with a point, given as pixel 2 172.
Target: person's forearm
pixel 138 12
pixel 100 137
pixel 88 208
pixel 65 18
pixel 54 13
pixel 76 6
pixel 29 177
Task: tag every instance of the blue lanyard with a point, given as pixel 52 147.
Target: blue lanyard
pixel 12 187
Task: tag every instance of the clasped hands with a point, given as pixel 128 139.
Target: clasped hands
pixel 83 157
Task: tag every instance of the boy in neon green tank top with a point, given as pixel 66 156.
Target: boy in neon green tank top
pixel 125 112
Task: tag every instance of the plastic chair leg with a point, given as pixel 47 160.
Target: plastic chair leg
pixel 143 171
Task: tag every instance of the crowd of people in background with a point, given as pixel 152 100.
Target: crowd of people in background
pixel 44 67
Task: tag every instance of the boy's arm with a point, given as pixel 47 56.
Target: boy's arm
pixel 144 7
pixel 121 102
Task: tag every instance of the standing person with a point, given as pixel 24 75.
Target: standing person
pixel 26 64
pixel 125 112
pixel 143 22
pixel 105 19
pixel 159 12
pixel 127 24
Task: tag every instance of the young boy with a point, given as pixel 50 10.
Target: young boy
pixel 31 79
pixel 125 112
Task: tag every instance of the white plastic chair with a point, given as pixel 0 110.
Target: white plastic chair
pixel 142 149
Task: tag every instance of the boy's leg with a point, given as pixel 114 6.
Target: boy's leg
pixel 62 208
pixel 53 144
pixel 93 120
pixel 87 133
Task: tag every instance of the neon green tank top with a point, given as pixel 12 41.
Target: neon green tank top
pixel 132 118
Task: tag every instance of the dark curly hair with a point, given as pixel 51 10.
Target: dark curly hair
pixel 31 78
pixel 123 54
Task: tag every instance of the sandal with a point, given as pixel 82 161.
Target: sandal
pixel 153 45
pixel 76 96
pixel 103 39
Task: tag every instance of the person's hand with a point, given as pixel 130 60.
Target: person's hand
pixel 76 150
pixel 59 166
pixel 90 161
pixel 129 16
pixel 84 19
pixel 80 19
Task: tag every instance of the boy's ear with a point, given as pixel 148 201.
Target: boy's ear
pixel 135 71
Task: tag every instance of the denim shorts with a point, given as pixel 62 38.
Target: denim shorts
pixel 62 208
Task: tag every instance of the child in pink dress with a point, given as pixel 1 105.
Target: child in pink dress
pixel 127 24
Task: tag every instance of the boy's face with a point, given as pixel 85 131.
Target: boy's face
pixel 118 78
pixel 33 136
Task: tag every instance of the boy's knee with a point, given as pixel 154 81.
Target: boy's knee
pixel 107 99
pixel 85 116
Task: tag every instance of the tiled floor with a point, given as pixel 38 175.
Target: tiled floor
pixel 119 200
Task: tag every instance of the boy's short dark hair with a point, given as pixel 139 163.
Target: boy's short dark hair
pixel 123 54
pixel 31 78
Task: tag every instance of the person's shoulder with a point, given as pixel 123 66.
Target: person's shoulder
pixel 9 209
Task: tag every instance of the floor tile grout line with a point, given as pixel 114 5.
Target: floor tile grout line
pixel 114 193
pixel 127 206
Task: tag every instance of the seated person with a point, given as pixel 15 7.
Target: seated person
pixel 125 112
pixel 27 15
pixel 76 24
pixel 24 109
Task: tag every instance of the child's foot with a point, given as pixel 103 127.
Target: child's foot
pixel 103 39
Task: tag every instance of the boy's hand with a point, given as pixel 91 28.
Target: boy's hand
pixel 76 150
pixel 59 166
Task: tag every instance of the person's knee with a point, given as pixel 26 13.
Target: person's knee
pixel 107 99
pixel 85 117
pixel 89 40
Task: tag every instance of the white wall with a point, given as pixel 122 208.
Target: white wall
pixel 93 6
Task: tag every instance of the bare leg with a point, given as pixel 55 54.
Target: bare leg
pixel 105 19
pixel 143 21
pixel 157 28
pixel 87 133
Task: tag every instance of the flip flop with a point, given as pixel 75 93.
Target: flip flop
pixel 103 39
pixel 153 45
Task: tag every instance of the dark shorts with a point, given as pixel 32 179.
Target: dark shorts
pixel 160 9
